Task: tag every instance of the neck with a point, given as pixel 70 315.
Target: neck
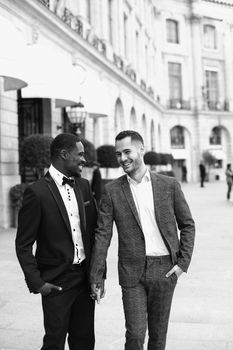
pixel 138 174
pixel 61 169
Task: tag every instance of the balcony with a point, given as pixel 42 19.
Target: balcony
pixel 131 73
pixel 118 61
pixel 217 106
pixel 177 142
pixel 45 2
pixel 179 104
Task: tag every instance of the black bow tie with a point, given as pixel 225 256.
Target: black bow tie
pixel 65 180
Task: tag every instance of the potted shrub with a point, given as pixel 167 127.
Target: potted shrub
pixel 16 198
pixel 35 154
pixel 152 158
pixel 106 157
pixel 90 152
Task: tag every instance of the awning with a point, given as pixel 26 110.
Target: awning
pixel 179 153
pixel 94 96
pixel 52 75
pixel 11 63
pixel 218 153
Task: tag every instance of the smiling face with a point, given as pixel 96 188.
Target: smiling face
pixel 130 155
pixel 74 160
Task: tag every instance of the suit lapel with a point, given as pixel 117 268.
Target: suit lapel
pixel 79 197
pixel 130 200
pixel 58 199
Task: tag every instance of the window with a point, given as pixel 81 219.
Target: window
pixel 110 20
pixel 126 35
pixel 212 89
pixel 210 37
pixel 137 51
pixel 88 10
pixel 215 137
pixel 172 31
pixel 175 81
pixel 177 137
pixel 147 62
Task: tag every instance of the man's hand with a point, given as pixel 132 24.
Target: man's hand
pixel 98 291
pixel 177 270
pixel 47 288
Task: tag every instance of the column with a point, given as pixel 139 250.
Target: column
pixel 9 153
pixel 196 62
pixel 228 65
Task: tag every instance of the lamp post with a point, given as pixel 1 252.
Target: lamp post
pixel 77 116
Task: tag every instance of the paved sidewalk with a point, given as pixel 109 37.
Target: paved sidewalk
pixel 201 317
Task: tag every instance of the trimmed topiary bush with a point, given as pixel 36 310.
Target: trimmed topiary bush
pixel 106 156
pixel 152 158
pixel 16 195
pixel 35 153
pixel 90 152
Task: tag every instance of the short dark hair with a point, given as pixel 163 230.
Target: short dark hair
pixel 62 141
pixel 135 136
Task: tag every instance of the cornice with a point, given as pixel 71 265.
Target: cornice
pixel 219 2
pixel 49 23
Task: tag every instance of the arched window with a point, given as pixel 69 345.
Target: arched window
pixel 216 137
pixel 133 119
pixel 210 41
pixel 119 122
pixel 152 132
pixel 177 137
pixel 144 127
pixel 172 31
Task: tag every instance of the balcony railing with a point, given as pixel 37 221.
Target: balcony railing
pixel 179 104
pixel 178 142
pixel 215 140
pixel 118 61
pixel 45 2
pixel 131 73
pixel 217 105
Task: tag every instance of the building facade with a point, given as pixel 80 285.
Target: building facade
pixel 164 68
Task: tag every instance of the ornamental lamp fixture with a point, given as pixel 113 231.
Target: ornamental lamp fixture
pixel 77 116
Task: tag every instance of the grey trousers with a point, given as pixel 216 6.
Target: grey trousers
pixel 148 304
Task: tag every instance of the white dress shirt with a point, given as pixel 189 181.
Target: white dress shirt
pixel 70 202
pixel 143 197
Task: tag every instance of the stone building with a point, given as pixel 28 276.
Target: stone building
pixel 164 68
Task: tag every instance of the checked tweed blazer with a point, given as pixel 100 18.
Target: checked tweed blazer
pixel 171 212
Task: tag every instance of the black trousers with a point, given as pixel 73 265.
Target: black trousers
pixel 148 304
pixel 69 312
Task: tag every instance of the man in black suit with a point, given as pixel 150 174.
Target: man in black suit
pixel 59 214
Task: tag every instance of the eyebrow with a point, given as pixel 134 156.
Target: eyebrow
pixel 124 150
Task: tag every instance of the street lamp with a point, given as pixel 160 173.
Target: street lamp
pixel 77 116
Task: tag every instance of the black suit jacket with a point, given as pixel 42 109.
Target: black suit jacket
pixel 43 219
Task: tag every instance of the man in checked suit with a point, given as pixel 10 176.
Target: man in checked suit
pixel 147 208
pixel 59 214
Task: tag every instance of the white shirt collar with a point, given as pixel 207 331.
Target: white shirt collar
pixel 56 175
pixel 146 178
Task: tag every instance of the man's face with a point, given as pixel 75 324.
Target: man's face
pixel 129 155
pixel 75 160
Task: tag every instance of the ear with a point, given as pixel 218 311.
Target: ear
pixel 63 154
pixel 142 149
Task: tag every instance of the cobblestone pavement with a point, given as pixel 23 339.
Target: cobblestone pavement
pixel 201 316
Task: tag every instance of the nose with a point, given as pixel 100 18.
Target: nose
pixel 83 160
pixel 123 157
